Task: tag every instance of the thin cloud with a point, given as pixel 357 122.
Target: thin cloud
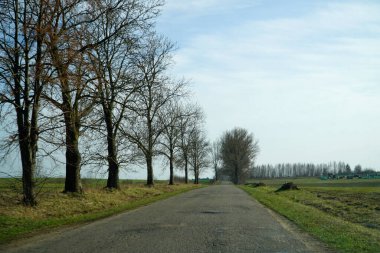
pixel 195 7
pixel 303 84
pixel 293 46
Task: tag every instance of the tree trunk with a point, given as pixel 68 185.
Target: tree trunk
pixel 73 157
pixel 236 181
pixel 186 170
pixel 22 106
pixel 196 180
pixel 171 168
pixel 28 185
pixel 28 157
pixel 28 151
pixel 113 172
pixel 196 170
pixel 149 165
pixel 113 165
pixel 196 176
pixel 28 169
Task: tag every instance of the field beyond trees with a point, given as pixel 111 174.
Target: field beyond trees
pixel 57 209
pixel 345 214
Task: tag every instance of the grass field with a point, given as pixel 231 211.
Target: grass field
pixel 56 209
pixel 343 213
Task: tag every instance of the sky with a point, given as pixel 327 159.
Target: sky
pixel 302 76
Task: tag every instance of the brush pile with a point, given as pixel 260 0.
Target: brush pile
pixel 287 186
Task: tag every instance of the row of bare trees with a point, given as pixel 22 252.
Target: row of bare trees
pixel 91 77
pixel 307 170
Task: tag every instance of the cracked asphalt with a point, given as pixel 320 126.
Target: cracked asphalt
pixel 220 218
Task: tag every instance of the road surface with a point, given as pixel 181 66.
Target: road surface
pixel 219 218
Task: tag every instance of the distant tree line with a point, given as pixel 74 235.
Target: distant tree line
pixel 90 78
pixel 306 170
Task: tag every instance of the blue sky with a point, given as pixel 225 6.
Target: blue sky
pixel 303 76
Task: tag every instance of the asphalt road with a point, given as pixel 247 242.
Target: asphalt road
pixel 219 218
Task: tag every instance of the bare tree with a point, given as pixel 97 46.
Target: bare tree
pixel 171 119
pixel 186 126
pixel 238 151
pixel 170 136
pixel 72 89
pixel 156 90
pixel 111 63
pixel 199 152
pixel 21 82
pixel 194 147
pixel 68 89
pixel 216 158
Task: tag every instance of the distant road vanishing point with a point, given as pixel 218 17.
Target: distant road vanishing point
pixel 219 218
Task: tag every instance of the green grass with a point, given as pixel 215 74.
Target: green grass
pixel 344 216
pixel 56 209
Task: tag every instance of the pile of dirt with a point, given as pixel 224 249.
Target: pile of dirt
pixel 256 184
pixel 287 186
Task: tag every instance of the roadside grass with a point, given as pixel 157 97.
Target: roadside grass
pixel 346 218
pixel 56 209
